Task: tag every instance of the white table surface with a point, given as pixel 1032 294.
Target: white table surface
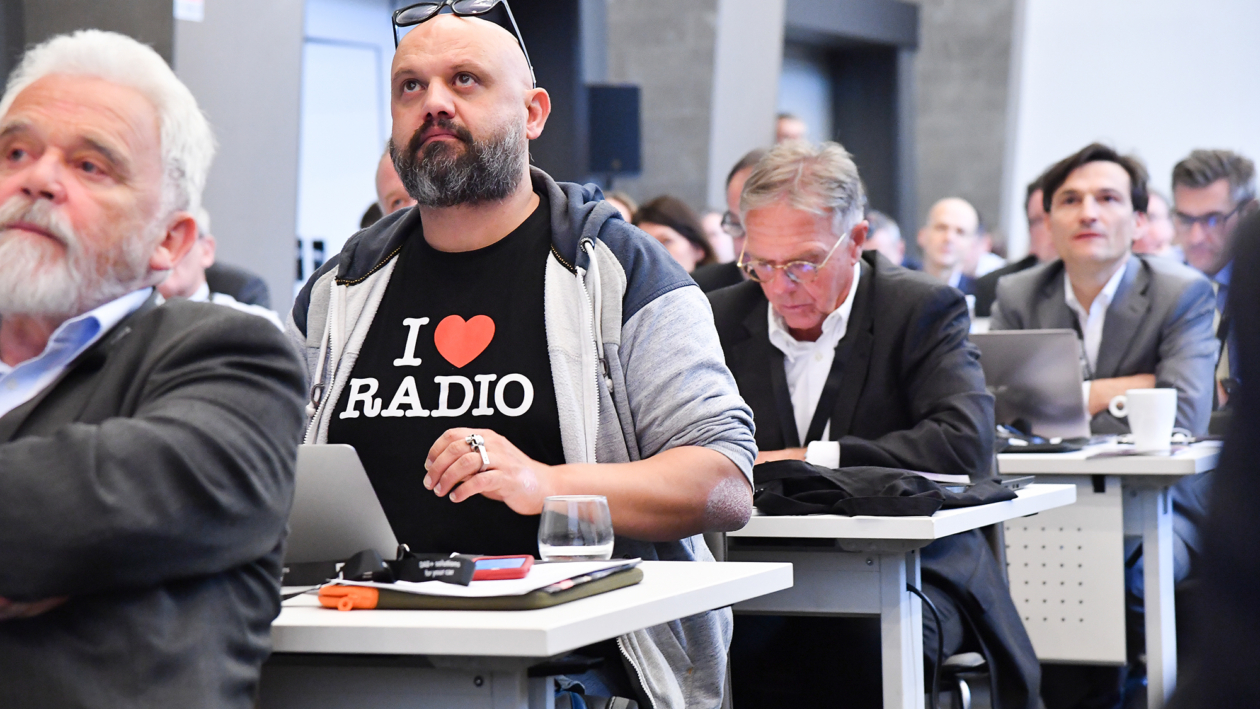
pixel 669 590
pixel 1031 500
pixel 1198 458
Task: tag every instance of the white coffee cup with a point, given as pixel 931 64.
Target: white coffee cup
pixel 1151 414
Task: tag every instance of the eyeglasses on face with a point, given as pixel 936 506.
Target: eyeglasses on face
pixel 1212 222
pixel 417 13
pixel 732 226
pixel 798 272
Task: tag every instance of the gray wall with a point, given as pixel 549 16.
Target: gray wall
pixel 12 35
pixel 748 60
pixel 149 21
pixel 244 65
pixel 667 48
pixel 709 73
pixel 962 79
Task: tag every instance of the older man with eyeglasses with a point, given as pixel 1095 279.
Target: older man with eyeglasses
pixel 849 360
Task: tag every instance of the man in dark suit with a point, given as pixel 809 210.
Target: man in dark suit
pixel 721 275
pixel 869 364
pixel 146 448
pixel 1143 321
pixel 1040 250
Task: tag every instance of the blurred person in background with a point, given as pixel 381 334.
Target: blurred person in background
pixel 391 195
pixel 982 260
pixel 790 127
pixel 1212 191
pixel 624 204
pixel 723 245
pixel 721 275
pixel 1040 250
pixel 947 237
pixel 188 278
pixel 1155 232
pixel 670 221
pixel 885 237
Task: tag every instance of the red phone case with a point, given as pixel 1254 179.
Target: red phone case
pixel 518 572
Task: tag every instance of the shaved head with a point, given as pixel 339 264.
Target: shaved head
pixel 948 236
pixel 464 110
pixel 481 38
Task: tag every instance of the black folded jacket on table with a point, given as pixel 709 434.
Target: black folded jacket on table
pixel 794 487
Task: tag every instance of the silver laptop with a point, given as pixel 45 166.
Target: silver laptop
pixel 1035 375
pixel 335 511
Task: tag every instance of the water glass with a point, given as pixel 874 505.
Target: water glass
pixel 575 528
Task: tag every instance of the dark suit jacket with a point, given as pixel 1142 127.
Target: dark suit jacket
pixel 985 287
pixel 717 275
pixel 151 484
pixel 912 394
pixel 1159 322
pixel 242 284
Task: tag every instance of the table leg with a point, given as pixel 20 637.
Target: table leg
pixel 1161 625
pixel 901 631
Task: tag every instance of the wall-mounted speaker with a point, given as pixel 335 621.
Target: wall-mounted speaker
pixel 615 134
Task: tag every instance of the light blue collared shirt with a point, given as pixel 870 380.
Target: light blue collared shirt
pixel 20 384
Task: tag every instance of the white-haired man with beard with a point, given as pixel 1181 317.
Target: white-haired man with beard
pixel 511 338
pixel 146 448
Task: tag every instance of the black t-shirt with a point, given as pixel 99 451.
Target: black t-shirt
pixel 459 340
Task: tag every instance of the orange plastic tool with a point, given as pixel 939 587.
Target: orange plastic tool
pixel 347 598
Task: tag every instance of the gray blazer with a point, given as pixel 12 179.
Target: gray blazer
pixel 151 484
pixel 1159 322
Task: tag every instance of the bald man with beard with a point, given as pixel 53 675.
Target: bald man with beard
pixel 496 341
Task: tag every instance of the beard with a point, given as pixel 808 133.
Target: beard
pixel 62 276
pixel 467 171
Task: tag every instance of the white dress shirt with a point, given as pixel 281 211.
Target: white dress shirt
pixel 1092 322
pixel 203 295
pixel 20 384
pixel 808 363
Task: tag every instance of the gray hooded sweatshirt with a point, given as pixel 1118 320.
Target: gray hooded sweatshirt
pixel 637 369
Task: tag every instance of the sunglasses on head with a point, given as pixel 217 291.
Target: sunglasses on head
pixel 417 13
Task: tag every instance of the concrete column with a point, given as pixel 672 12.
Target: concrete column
pixel 244 65
pixel 961 76
pixel 150 21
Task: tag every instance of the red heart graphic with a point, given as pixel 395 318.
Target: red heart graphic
pixel 460 342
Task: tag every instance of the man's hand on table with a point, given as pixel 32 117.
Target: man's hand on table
pixel 1102 391
pixel 10 610
pixel 785 454
pixel 511 477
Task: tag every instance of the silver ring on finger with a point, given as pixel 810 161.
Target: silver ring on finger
pixel 478 444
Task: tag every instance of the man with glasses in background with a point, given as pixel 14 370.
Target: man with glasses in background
pixel 848 360
pixel 1212 191
pixel 721 275
pixel 600 352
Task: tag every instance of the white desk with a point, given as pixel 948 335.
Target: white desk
pixel 387 659
pixel 867 570
pixel 1067 567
